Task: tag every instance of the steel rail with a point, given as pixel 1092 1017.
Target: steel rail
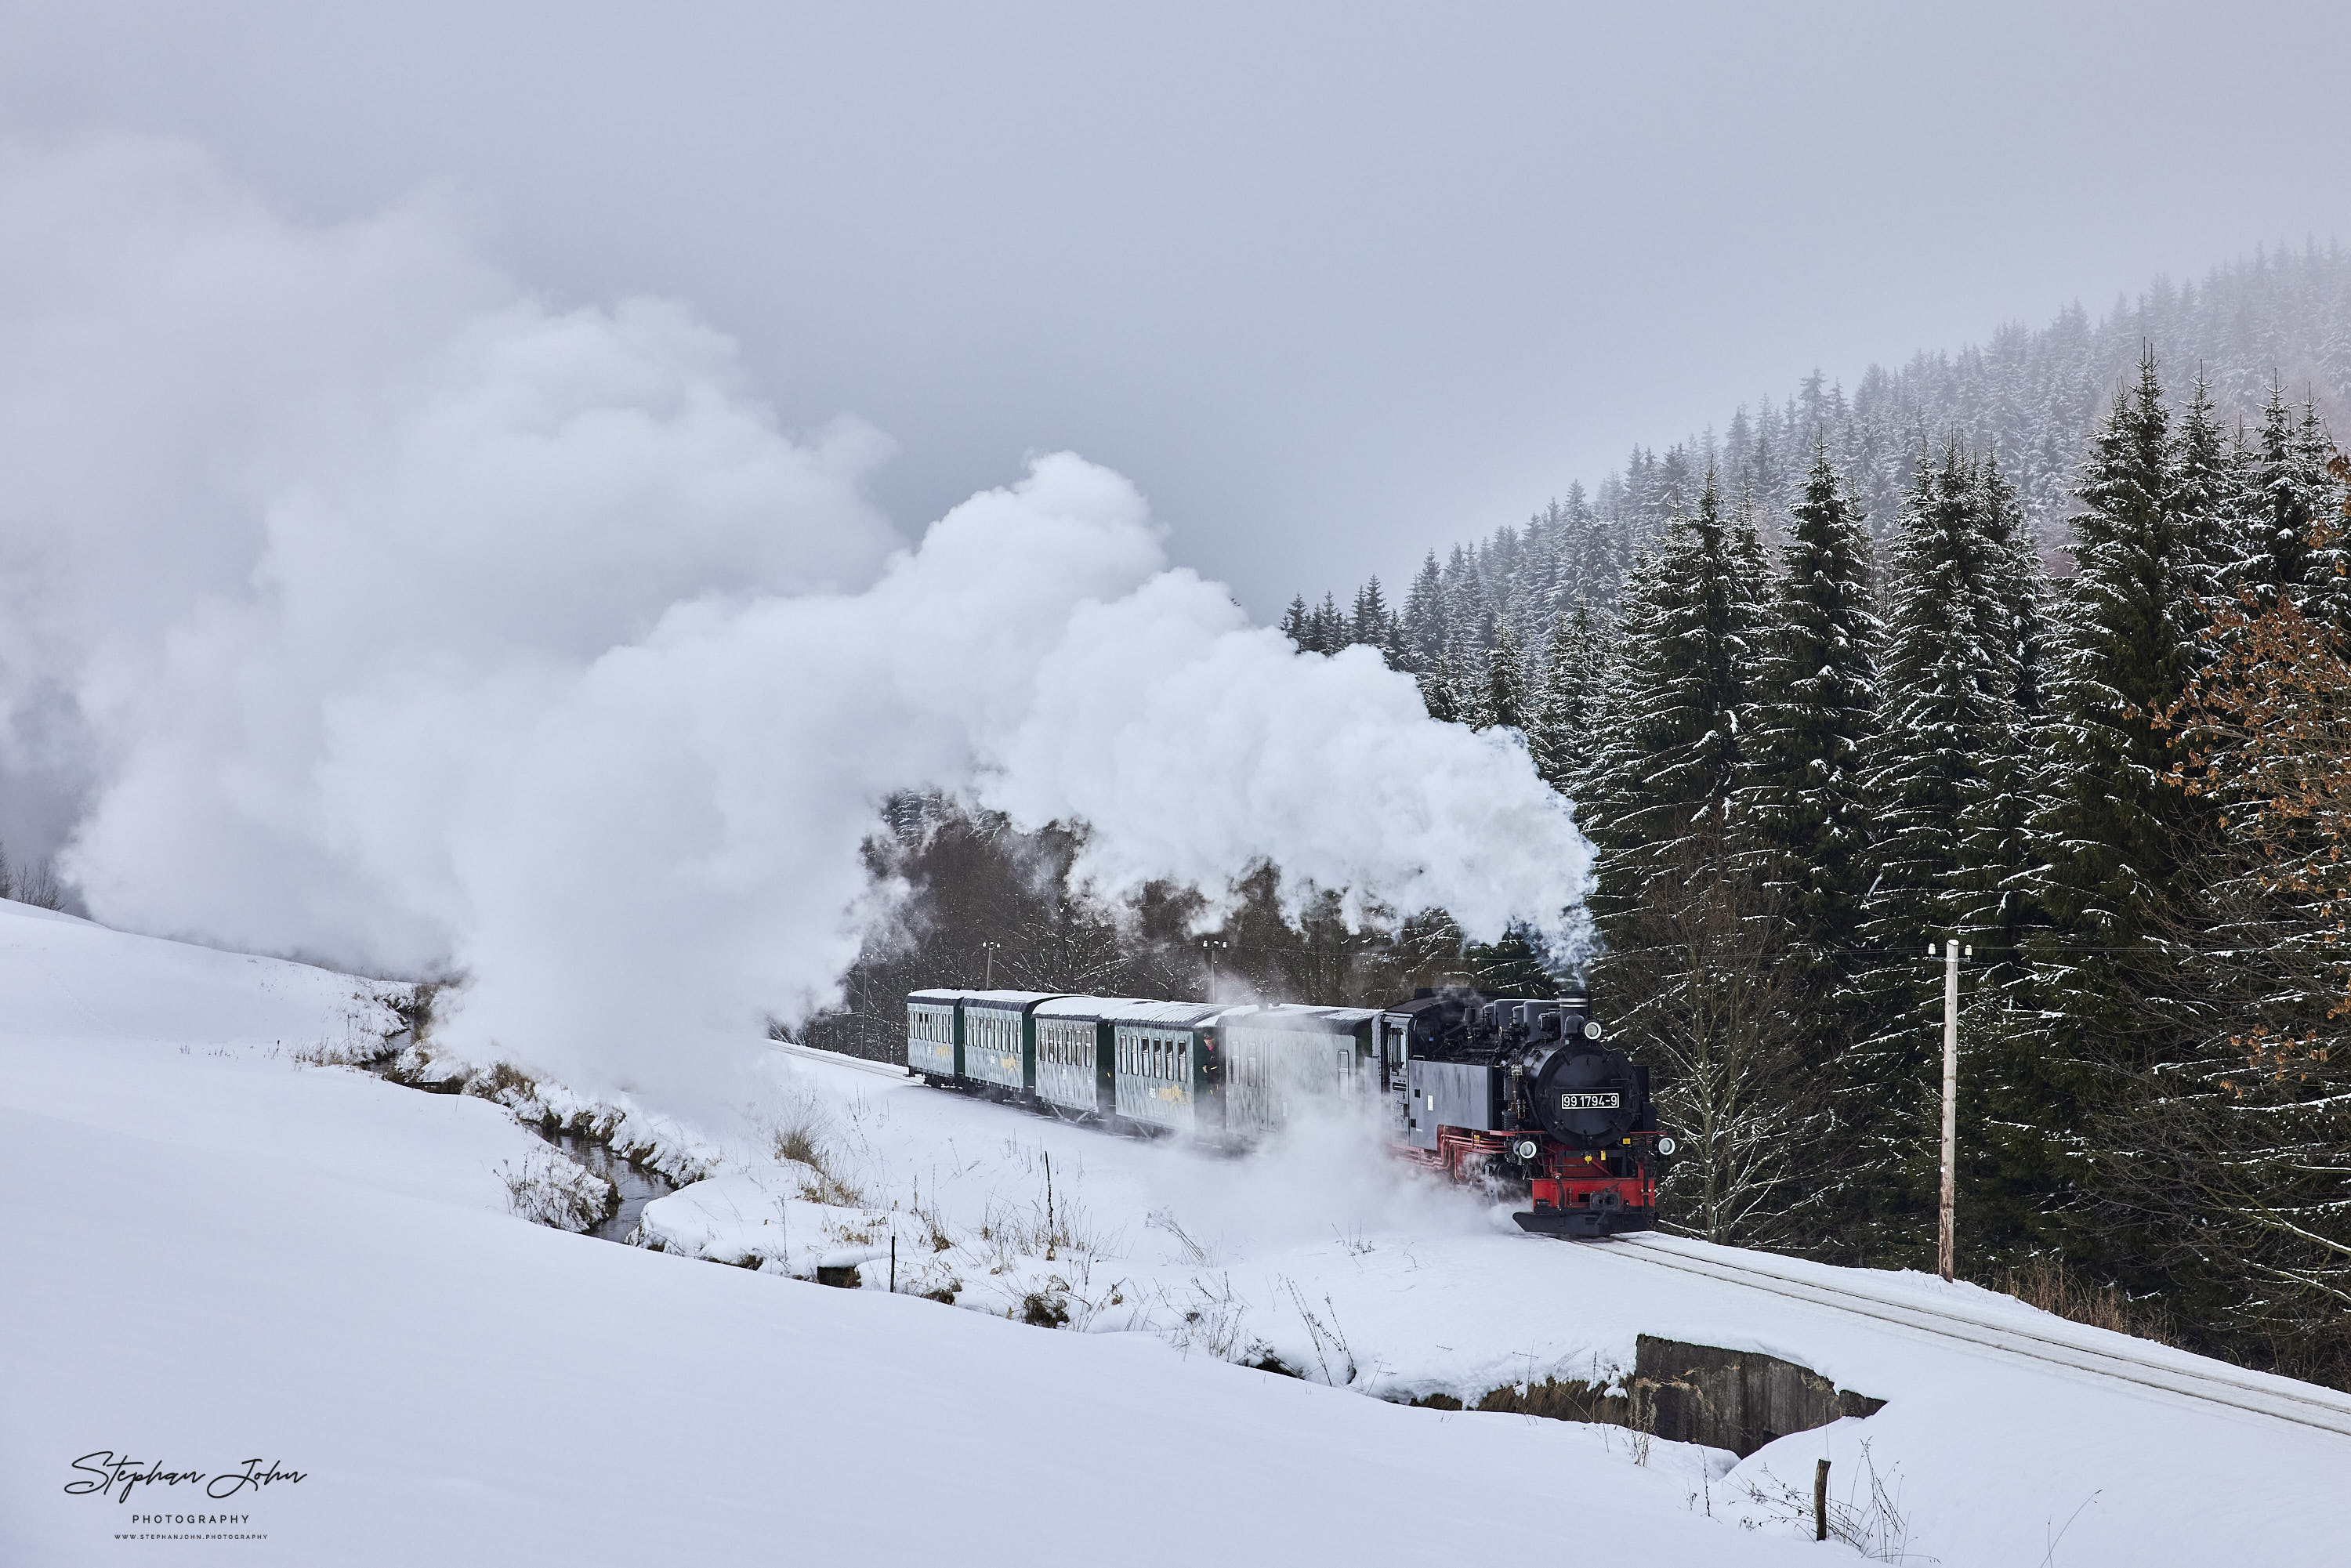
pixel 2332 1404
pixel 1990 1335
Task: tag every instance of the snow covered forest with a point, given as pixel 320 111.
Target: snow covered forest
pixel 1871 675
pixel 2040 648
pixel 2033 397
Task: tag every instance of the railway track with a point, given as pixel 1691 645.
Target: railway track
pixel 2321 1409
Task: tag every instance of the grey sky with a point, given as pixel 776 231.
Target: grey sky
pixel 1330 283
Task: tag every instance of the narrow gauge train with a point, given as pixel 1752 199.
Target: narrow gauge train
pixel 1516 1094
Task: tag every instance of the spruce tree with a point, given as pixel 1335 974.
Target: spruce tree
pixel 1995 814
pixel 1675 704
pixel 2202 494
pixel 2326 575
pixel 2117 845
pixel 1294 625
pixel 1567 703
pixel 1370 621
pixel 1815 710
pixel 1695 961
pixel 1993 909
pixel 2271 554
pixel 1326 628
pixel 1426 631
pixel 1947 708
pixel 1508 704
pixel 1440 691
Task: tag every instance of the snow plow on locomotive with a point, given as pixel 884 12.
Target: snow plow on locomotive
pixel 1513 1094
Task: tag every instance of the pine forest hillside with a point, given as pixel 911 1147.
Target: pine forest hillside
pixel 2044 650
pixel 2279 321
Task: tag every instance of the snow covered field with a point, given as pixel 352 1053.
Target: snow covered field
pixel 225 1251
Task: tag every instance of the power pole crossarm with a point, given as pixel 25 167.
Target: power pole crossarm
pixel 1209 947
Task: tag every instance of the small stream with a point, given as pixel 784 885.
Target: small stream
pixel 638 1185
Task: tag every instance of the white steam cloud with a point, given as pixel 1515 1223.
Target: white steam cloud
pixel 369 608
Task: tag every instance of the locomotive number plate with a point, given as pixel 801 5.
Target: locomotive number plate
pixel 1588 1103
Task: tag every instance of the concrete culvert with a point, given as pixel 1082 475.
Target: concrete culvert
pixel 1735 1399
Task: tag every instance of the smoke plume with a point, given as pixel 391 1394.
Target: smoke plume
pixel 364 606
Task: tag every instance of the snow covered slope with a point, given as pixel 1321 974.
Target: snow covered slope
pixel 1358 1271
pixel 223 1252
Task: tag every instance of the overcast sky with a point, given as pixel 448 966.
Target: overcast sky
pixel 1329 282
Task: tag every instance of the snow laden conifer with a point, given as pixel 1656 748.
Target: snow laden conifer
pixel 2273 512
pixel 1441 689
pixel 2242 1150
pixel 1508 701
pixel 1815 707
pixel 1694 965
pixel 2287 540
pixel 1996 846
pixel 1294 622
pixel 2204 485
pixel 1425 628
pixel 2118 843
pixel 1369 622
pixel 1677 700
pixel 1947 707
pixel 1567 703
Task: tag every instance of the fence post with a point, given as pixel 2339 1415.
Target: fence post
pixel 1821 1500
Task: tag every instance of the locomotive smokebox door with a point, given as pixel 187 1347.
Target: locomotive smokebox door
pixel 1588 1099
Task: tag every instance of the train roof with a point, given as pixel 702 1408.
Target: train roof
pixel 1132 1009
pixel 1299 1016
pixel 981 999
pixel 1086 1007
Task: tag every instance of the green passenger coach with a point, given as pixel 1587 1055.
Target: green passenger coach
pixel 999 1038
pixel 934 1033
pixel 1212 1069
pixel 1145 1064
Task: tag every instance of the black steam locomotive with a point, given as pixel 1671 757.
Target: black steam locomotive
pixel 1521 1094
pixel 1514 1095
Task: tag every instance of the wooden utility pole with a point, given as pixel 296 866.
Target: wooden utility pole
pixel 1950 1107
pixel 990 983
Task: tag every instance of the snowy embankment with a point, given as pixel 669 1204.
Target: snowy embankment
pixel 227 1251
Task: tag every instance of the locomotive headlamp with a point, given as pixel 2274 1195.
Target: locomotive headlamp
pixel 1592 1028
pixel 1526 1148
pixel 1664 1145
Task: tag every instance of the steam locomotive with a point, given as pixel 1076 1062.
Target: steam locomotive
pixel 1514 1095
